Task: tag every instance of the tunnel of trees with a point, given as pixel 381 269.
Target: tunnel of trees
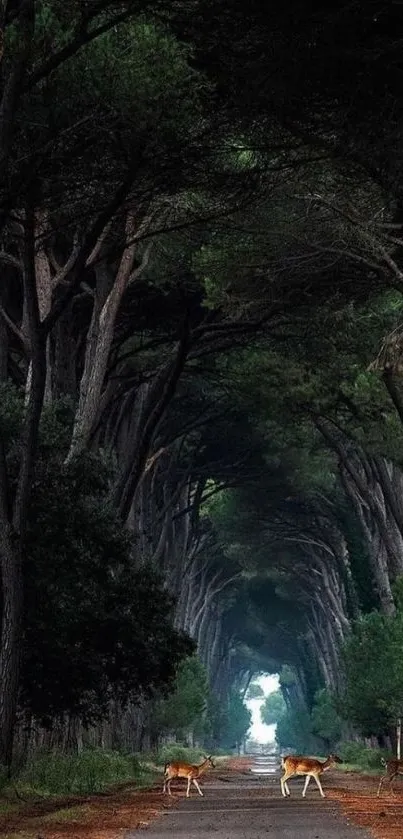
pixel 201 351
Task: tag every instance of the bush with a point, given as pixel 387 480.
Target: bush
pixel 361 756
pixel 90 771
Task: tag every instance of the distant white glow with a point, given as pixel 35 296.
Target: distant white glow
pixel 259 731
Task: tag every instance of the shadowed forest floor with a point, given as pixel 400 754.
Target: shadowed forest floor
pixel 112 815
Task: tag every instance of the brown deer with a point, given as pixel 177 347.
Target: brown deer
pixel 309 766
pixel 393 767
pixel 177 769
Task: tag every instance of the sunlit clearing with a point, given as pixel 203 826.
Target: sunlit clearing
pixel 260 732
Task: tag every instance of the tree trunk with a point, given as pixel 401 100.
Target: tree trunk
pixel 13 522
pixel 10 654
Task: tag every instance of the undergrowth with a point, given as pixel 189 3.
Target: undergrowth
pixel 90 771
pixel 356 756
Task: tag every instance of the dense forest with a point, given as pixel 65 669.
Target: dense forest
pixel 201 351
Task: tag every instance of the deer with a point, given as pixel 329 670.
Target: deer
pixel 393 767
pixel 309 766
pixel 177 769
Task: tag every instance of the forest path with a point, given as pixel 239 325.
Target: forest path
pixel 248 805
pixel 238 803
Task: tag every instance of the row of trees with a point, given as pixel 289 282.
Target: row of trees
pixel 196 280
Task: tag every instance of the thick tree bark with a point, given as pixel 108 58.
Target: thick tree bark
pixel 363 487
pixel 137 456
pixel 376 548
pixel 11 95
pixel 108 297
pixel 14 522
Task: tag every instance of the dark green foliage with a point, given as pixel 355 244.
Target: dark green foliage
pixel 301 730
pixel 182 713
pixel 326 72
pixel 254 691
pixel 326 722
pixel 361 756
pixel 95 625
pixel 358 553
pixel 235 722
pixel 273 708
pixel 93 770
pixel 373 661
pixel 139 100
pixel 229 722
pixel 294 731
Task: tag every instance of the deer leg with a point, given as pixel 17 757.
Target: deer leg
pixel 169 786
pixel 188 789
pixel 197 786
pixel 284 785
pixel 383 778
pixel 390 781
pixel 307 779
pixel 318 783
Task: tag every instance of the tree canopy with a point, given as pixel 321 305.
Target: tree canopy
pixel 200 365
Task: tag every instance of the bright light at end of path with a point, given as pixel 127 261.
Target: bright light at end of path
pixel 259 731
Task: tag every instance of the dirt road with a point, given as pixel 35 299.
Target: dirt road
pixel 249 805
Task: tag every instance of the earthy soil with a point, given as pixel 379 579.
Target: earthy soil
pixel 357 795
pixel 124 809
pixel 97 817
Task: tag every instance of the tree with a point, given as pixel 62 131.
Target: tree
pixel 373 662
pixel 294 731
pixel 202 269
pixel 70 211
pixel 254 691
pixel 182 713
pixel 273 708
pixel 236 721
pixel 326 722
pixel 96 627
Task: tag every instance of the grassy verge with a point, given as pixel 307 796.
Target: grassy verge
pixel 92 771
pixel 56 775
pixel 58 795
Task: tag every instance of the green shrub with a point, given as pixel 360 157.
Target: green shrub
pixel 361 756
pixel 90 771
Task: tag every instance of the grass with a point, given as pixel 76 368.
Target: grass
pixel 22 834
pixel 356 767
pixel 54 775
pixel 7 807
pixel 91 771
pixel 67 814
